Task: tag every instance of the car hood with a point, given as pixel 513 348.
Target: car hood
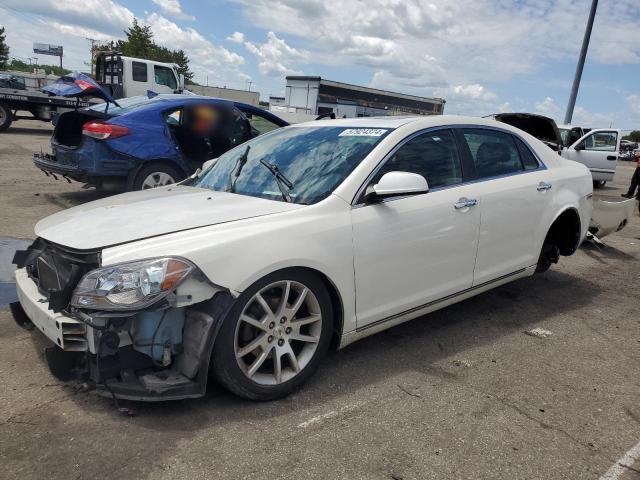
pixel 149 213
pixel 538 126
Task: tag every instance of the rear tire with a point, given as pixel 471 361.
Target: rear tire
pixel 6 117
pixel 156 175
pixel 263 354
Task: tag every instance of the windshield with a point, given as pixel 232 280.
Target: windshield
pixel 312 161
pixel 126 105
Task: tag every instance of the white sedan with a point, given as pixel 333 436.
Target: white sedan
pixel 307 237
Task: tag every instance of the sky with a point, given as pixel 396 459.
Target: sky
pixel 482 56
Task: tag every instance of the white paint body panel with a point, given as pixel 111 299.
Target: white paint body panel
pixel 396 259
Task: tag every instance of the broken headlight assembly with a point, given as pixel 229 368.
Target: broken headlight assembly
pixel 130 286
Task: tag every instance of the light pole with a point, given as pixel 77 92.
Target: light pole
pixel 583 54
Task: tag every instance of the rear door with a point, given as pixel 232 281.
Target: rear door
pixel 513 191
pixel 598 150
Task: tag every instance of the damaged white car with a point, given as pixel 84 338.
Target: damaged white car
pixel 307 237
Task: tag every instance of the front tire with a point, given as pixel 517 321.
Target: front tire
pixel 275 336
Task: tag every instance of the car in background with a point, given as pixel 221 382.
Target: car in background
pixel 596 148
pixel 14 82
pixel 317 234
pixel 145 141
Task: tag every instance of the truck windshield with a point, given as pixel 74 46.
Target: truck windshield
pixel 313 161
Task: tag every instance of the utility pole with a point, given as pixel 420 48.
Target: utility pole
pixel 93 42
pixel 583 54
pixel 250 82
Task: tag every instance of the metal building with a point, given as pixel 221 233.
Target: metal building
pixel 318 96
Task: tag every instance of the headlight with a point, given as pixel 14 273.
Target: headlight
pixel 130 286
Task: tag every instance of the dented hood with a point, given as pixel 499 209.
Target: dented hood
pixel 137 215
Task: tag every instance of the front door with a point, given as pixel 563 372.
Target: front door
pixel 598 150
pixel 409 251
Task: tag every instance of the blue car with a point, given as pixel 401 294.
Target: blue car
pixel 144 142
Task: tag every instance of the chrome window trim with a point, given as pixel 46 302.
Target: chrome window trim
pixel 362 188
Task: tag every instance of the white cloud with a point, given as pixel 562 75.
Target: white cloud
pixel 548 108
pixel 173 9
pixel 104 16
pixel 450 46
pixel 236 37
pixel 274 56
pixel 581 116
pixel 207 59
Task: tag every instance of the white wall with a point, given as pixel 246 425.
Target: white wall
pixel 302 94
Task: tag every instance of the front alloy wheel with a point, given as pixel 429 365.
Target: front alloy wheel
pixel 278 331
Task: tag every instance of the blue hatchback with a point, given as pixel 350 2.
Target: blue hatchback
pixel 145 142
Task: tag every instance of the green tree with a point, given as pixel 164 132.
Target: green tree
pixel 139 42
pixel 634 136
pixel 180 58
pixel 4 49
pixel 20 66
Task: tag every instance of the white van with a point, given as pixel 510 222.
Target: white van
pixel 598 150
pixel 128 77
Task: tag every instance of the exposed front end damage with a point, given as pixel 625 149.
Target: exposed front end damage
pixel 160 352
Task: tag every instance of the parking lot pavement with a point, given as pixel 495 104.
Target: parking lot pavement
pixel 460 393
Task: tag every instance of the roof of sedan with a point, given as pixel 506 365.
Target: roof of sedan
pixel 392 121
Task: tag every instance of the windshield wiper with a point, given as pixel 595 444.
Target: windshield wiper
pixel 284 184
pixel 233 177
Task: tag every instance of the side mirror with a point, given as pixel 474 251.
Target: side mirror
pixel 397 183
pixel 207 165
pixel 181 82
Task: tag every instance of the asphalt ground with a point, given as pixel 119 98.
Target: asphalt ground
pixel 460 393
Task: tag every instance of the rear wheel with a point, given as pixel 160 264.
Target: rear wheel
pixel 156 175
pixel 275 336
pixel 5 116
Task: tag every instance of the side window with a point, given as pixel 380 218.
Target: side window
pixel 602 142
pixel 528 159
pixel 174 118
pixel 139 71
pixel 259 125
pixel 164 76
pixel 494 153
pixel 432 155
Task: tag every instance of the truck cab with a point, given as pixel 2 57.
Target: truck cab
pixel 125 76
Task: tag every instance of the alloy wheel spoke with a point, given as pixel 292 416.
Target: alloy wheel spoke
pixel 304 338
pixel 277 366
pixel 299 301
pixel 293 361
pixel 257 363
pixel 263 303
pixel 255 343
pixel 283 300
pixel 306 320
pixel 259 324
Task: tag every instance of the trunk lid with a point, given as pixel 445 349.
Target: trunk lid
pixel 543 128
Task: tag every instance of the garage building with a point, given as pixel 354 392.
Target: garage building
pixel 318 96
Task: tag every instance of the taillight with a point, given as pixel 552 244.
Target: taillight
pixel 103 131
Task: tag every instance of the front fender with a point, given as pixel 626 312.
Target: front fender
pixel 236 254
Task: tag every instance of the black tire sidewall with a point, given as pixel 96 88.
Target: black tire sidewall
pixel 155 167
pixel 8 116
pixel 224 364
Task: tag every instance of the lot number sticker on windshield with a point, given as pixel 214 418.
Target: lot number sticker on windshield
pixel 363 132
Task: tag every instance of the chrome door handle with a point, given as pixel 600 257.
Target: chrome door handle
pixel 543 186
pixel 465 203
